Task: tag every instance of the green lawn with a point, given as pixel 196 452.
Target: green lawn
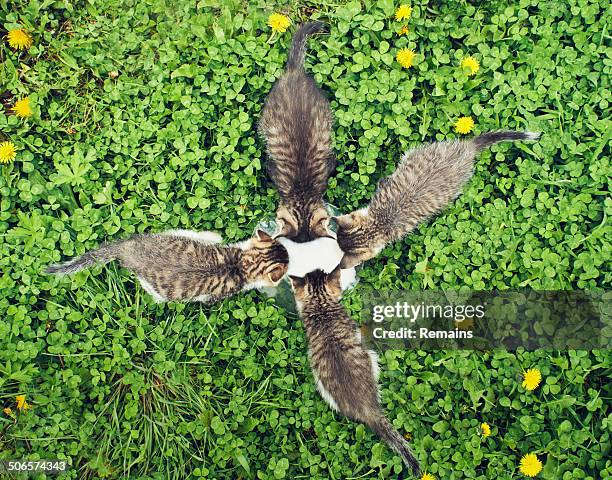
pixel 144 119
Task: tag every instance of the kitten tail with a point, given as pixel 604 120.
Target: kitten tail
pixel 385 430
pixel 295 60
pixel 487 139
pixel 104 254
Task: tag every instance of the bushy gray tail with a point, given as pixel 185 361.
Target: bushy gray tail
pixel 103 254
pixel 295 60
pixel 487 139
pixel 392 437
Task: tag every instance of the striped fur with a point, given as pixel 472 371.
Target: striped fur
pixel 345 373
pixel 184 265
pixel 296 124
pixel 426 180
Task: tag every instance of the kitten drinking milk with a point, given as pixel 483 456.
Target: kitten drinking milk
pixel 296 124
pixel 426 180
pixel 191 266
pixel 344 371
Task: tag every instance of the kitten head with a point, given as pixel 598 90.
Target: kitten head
pixel 265 260
pixel 317 287
pixel 358 238
pixel 302 221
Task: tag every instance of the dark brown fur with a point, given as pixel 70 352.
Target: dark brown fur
pixel 426 180
pixel 296 124
pixel 345 372
pixel 172 266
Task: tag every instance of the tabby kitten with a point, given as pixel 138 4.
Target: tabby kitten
pixel 346 374
pixel 191 266
pixel 296 123
pixel 426 180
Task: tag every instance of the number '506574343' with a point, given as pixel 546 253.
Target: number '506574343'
pixel 46 466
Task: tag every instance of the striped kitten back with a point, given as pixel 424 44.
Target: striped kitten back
pixel 296 124
pixel 191 266
pixel 345 372
pixel 426 180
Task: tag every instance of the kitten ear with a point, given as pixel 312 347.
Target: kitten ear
pixel 344 221
pixel 348 261
pixel 263 236
pixel 280 228
pixel 287 223
pixel 297 282
pixel 321 229
pixel 334 276
pixel 277 274
pixel 283 229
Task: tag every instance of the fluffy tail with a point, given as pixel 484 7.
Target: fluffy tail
pixel 295 60
pixel 103 254
pixel 392 437
pixel 487 139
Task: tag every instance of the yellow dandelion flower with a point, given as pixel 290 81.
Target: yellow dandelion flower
pixel 8 411
pixel 485 428
pixel 531 379
pixel 530 465
pixel 464 125
pixel 428 476
pixel 8 151
pixel 405 57
pixel 403 30
pixel 279 22
pixel 19 39
pixel 403 12
pixel 472 64
pixel 22 108
pixel 21 402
